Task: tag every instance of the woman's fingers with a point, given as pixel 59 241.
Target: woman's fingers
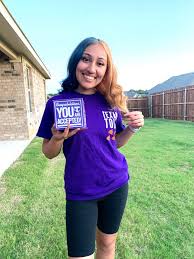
pixel 66 131
pixel 134 119
pixel 69 133
pixel 73 132
pixel 133 116
pixel 54 130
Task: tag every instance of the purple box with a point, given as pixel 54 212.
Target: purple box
pixel 69 111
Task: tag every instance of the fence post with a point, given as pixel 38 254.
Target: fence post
pixel 163 105
pixel 185 104
pixel 150 105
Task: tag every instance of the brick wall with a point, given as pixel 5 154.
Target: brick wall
pixel 17 120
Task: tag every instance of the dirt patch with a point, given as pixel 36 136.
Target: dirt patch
pixel 3 188
pixel 186 168
pixel 7 206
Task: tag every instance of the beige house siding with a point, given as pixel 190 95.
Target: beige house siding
pixel 36 91
pixel 22 101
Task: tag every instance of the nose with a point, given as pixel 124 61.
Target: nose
pixel 92 68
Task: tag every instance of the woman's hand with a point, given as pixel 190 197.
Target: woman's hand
pixel 134 119
pixel 62 135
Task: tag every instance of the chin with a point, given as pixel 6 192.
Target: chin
pixel 87 86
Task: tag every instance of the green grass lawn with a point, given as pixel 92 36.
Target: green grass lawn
pixel 159 218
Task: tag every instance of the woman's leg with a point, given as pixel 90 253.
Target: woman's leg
pixel 85 257
pixel 81 220
pixel 110 212
pixel 106 244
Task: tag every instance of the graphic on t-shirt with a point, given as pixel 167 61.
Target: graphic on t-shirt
pixel 111 135
pixel 110 118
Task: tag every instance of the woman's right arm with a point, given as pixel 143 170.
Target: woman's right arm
pixel 52 147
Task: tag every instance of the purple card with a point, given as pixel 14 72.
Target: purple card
pixel 70 111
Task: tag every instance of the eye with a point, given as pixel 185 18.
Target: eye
pixel 101 64
pixel 85 59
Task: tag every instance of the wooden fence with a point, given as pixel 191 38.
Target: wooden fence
pixel 176 104
pixel 139 104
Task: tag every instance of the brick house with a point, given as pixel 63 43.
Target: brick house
pixel 22 82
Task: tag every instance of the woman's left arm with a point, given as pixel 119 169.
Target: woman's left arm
pixel 134 121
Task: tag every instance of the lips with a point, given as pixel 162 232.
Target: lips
pixel 88 78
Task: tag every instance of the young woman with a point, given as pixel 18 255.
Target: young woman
pixel 96 173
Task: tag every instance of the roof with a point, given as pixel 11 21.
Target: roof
pixel 16 42
pixel 130 93
pixel 174 82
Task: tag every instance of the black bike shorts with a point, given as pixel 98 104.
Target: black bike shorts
pixel 82 217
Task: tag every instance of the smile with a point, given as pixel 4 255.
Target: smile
pixel 89 78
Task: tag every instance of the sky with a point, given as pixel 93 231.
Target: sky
pixel 150 40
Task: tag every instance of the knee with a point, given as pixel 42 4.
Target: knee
pixel 106 245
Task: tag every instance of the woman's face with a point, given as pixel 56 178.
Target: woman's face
pixel 91 68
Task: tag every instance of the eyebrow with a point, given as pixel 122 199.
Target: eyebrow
pixel 85 53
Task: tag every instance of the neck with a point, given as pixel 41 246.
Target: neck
pixel 86 91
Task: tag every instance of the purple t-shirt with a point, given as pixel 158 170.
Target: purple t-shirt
pixel 94 166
